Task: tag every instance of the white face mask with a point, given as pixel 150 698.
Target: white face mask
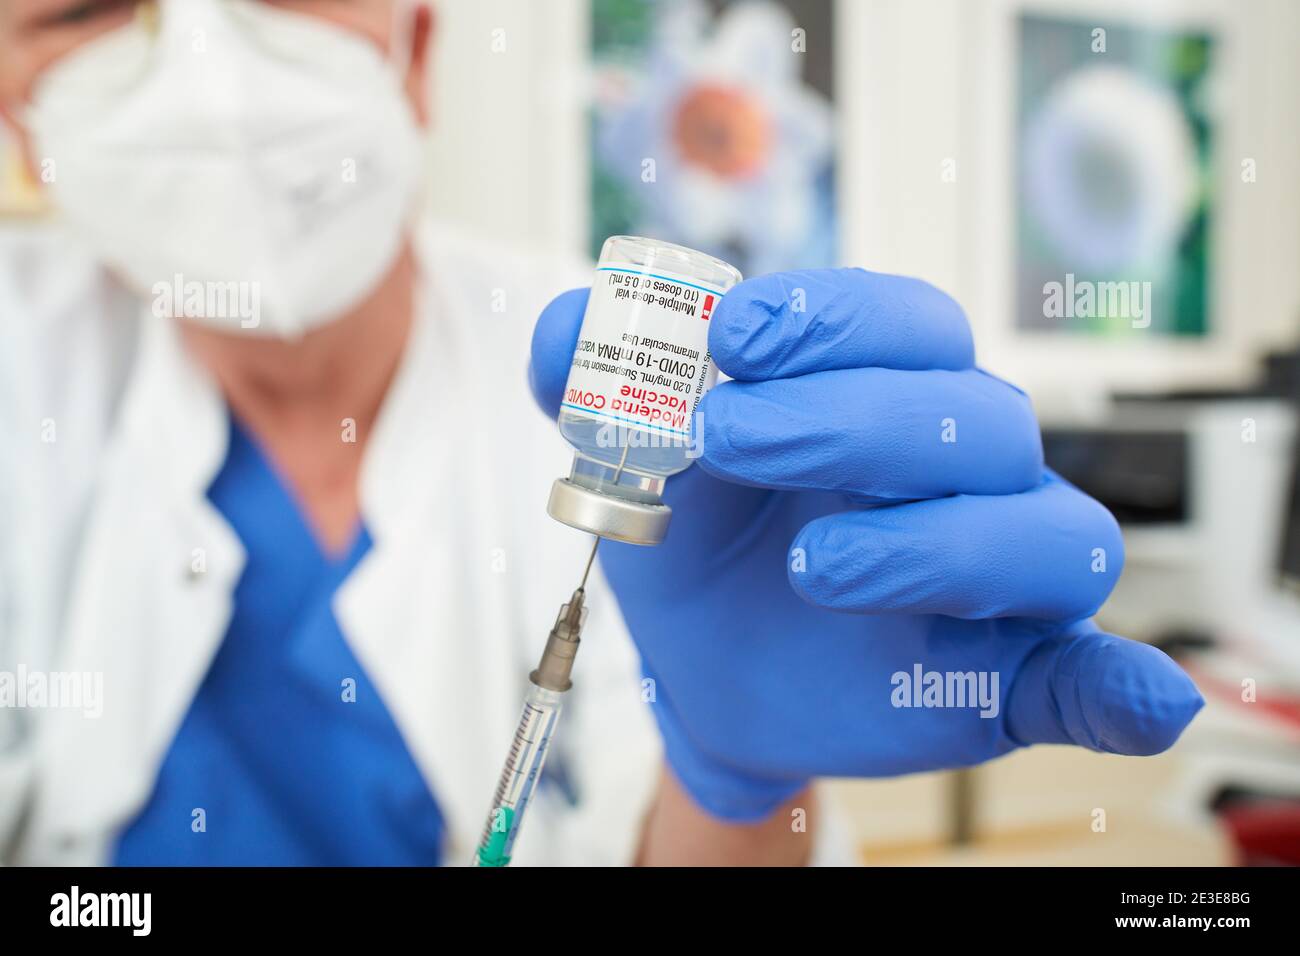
pixel 235 143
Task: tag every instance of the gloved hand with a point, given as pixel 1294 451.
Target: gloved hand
pixel 869 508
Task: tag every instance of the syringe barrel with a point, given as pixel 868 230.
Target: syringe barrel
pixel 520 775
pixel 527 756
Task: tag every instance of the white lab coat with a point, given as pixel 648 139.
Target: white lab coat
pixel 101 527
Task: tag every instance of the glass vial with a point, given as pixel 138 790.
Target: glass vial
pixel 640 369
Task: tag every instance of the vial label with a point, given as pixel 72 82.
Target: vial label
pixel 643 359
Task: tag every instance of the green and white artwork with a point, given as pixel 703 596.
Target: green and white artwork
pixel 1114 199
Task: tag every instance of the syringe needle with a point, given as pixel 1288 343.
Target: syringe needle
pixel 596 544
pixel 590 558
pixel 621 462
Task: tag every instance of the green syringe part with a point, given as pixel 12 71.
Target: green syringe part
pixel 493 854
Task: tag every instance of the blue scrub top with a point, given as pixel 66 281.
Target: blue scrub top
pixel 285 767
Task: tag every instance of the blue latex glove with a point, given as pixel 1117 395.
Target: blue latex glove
pixel 831 539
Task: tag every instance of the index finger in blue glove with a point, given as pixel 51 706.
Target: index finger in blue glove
pixel 791 323
pixel 874 432
pixel 1101 692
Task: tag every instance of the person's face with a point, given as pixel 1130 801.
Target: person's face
pixel 35 34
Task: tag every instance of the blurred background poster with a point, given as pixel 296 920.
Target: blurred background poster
pixel 713 127
pixel 1115 131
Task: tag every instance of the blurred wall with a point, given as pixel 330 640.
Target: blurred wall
pixel 508 156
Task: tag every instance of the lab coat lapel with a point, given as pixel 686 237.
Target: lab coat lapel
pixel 416 610
pixel 150 603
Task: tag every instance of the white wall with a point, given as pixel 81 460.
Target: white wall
pixel 509 144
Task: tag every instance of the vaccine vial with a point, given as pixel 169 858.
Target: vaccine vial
pixel 639 371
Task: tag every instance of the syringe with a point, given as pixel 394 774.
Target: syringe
pixel 542 705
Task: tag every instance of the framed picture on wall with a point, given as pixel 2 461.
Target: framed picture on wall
pixel 1113 226
pixel 1115 184
pixel 713 126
